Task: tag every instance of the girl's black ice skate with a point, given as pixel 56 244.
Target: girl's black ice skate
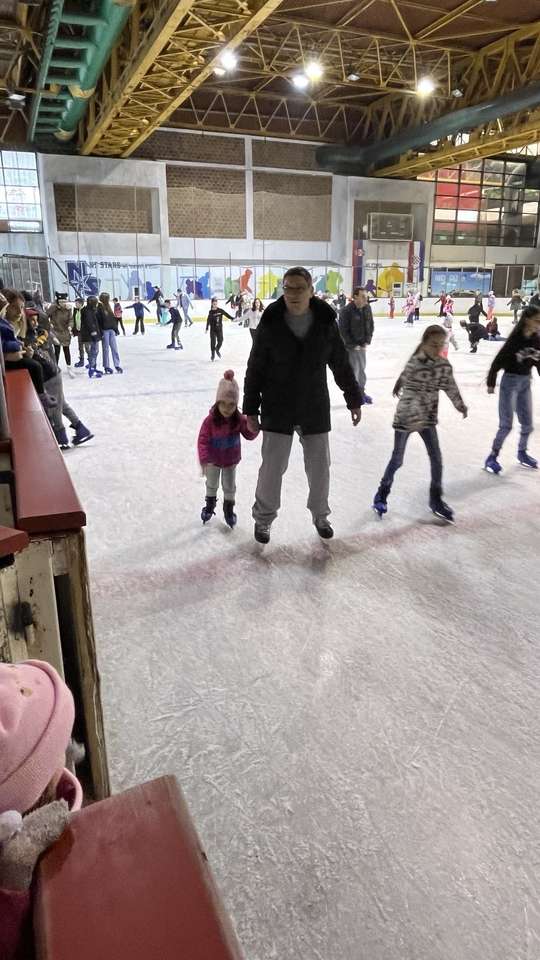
pixel 209 509
pixel 229 514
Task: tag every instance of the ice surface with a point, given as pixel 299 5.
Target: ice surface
pixel 355 725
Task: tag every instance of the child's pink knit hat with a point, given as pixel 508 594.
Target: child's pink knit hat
pixel 228 390
pixel 36 718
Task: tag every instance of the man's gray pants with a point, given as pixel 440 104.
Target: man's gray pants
pixel 276 449
pixel 357 360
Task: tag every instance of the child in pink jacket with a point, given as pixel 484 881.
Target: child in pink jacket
pixel 37 792
pixel 219 448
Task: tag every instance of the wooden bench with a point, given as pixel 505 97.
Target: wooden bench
pixel 128 880
pixel 45 498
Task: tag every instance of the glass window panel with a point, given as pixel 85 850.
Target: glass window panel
pixel 531 195
pixel 446 203
pixel 441 214
pixel 443 233
pixel 9 158
pixel 515 167
pixel 447 189
pixel 530 208
pixel 25 226
pixel 22 194
pixel 492 193
pixel 494 166
pixel 493 179
pixel 469 190
pixel 21 178
pixel 469 203
pixel 471 176
pixel 467 216
pixel 3 211
pixel 493 216
pixel 429 175
pixel 26 160
pixel 472 165
pixel 448 175
pixel 21 211
pixel 467 238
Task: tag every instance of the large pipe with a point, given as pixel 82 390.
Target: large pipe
pixel 93 50
pixel 361 160
pixel 57 7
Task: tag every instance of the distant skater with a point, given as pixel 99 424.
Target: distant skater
pixel 176 321
pixel 214 324
pixel 139 311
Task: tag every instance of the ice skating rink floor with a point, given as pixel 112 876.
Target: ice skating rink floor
pixel 354 724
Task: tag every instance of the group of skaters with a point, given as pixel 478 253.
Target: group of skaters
pixel 285 394
pixel 33 336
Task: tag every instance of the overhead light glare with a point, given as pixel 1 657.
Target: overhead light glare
pixel 352 76
pixel 16 97
pixel 314 70
pixel 300 81
pixel 425 87
pixel 229 60
pixel 220 71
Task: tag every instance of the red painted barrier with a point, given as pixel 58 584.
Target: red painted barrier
pixel 46 501
pixel 128 880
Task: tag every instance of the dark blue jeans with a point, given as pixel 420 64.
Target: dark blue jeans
pixel 431 440
pixel 514 396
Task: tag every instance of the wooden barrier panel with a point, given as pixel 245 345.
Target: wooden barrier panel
pixel 45 497
pixel 128 880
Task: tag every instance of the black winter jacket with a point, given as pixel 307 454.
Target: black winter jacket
pixel 89 325
pixel 106 319
pixel 356 325
pixel 286 377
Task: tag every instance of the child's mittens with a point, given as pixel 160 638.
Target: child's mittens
pixel 20 853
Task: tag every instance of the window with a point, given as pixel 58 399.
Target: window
pixel 485 202
pixel 20 201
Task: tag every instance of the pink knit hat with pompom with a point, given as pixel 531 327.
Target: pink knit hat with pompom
pixel 228 389
pixel 36 718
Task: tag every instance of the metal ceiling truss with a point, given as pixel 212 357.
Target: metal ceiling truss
pixel 500 136
pixel 503 66
pixel 17 45
pixel 169 49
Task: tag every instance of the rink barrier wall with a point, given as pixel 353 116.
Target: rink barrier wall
pixel 45 606
pixel 129 879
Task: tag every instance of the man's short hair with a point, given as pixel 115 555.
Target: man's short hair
pixel 299 272
pixel 358 290
pixel 167 301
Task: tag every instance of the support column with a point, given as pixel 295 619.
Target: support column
pixel 250 230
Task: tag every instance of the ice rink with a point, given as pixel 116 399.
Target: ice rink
pixel 354 723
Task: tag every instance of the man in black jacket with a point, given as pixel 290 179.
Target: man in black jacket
pixel 356 327
pixel 297 339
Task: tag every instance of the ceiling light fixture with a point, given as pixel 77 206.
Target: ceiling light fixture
pixel 15 97
pixel 457 92
pixel 228 60
pixel 425 87
pixel 300 81
pixel 314 70
pixel 352 75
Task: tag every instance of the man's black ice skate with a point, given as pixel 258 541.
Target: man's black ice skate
pixel 229 514
pixel 379 503
pixel 324 528
pixel 262 532
pixel 526 461
pixel 209 509
pixel 492 465
pixel 441 509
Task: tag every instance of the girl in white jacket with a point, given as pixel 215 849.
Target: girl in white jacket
pixel 417 412
pixel 253 315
